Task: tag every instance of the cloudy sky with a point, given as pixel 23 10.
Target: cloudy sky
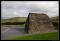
pixel 11 9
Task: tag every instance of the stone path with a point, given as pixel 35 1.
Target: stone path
pixel 7 32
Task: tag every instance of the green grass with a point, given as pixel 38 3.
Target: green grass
pixel 21 25
pixel 44 36
pixel 15 19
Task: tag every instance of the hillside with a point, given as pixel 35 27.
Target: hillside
pixel 15 19
pixel 55 19
pixel 55 22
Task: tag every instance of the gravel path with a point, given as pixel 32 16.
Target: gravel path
pixel 13 30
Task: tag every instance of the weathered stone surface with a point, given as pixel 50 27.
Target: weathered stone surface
pixel 38 23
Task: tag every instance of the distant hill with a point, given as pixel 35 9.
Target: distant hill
pixel 23 19
pixel 15 19
pixel 56 18
pixel 55 22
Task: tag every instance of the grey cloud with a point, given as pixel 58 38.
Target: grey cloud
pixel 23 8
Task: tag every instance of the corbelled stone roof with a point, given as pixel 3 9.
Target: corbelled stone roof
pixel 38 23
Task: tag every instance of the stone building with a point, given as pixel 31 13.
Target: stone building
pixel 38 23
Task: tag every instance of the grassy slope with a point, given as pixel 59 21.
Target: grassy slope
pixel 55 19
pixel 45 36
pixel 55 22
pixel 15 19
pixel 21 25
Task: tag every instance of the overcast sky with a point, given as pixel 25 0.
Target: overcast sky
pixel 11 9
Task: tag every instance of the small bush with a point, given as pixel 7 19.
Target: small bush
pixel 56 25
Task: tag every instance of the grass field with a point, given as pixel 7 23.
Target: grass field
pixel 21 25
pixel 44 36
pixel 15 19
